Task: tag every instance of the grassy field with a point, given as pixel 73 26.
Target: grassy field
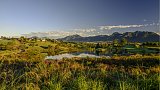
pixel 23 67
pixel 117 73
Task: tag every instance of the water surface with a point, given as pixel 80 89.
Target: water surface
pixel 72 55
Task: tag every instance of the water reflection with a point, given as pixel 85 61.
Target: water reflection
pixel 72 55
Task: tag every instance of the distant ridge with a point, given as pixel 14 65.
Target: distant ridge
pixel 137 36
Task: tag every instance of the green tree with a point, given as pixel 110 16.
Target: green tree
pixel 115 42
pixel 123 42
pixel 22 39
pixel 51 50
pixel 97 46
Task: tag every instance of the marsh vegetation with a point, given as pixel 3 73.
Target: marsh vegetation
pixel 132 66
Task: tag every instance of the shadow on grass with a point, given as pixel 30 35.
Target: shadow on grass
pixel 126 62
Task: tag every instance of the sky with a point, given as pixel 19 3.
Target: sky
pixel 25 16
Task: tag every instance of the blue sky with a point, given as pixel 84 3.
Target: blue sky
pixel 25 16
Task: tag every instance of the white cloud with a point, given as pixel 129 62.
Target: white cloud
pixel 99 30
pixel 145 20
pixel 118 27
pixel 86 30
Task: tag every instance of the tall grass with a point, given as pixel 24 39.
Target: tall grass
pixel 117 73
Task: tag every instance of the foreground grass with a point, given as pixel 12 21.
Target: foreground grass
pixel 117 73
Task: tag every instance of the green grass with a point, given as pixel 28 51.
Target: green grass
pixel 117 73
pixel 27 70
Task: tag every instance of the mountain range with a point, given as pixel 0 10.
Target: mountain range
pixel 137 36
pixel 94 31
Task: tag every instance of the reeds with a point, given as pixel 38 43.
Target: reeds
pixel 117 73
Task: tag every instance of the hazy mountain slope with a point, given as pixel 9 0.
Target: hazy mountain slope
pixel 138 36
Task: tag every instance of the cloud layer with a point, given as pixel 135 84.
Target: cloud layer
pixel 118 27
pixel 99 30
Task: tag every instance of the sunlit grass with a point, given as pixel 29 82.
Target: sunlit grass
pixel 82 74
pixel 24 68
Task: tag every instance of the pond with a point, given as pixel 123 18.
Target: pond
pixel 78 54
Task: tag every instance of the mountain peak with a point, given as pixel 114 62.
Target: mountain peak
pixel 116 33
pixel 71 37
pixel 138 36
pixel 75 36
